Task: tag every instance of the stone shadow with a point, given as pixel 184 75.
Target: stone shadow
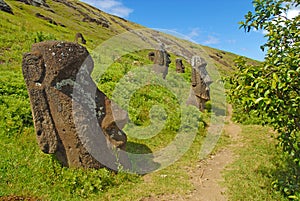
pixel 141 158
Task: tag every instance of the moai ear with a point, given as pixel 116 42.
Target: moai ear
pixel 34 72
pixel 194 77
pixel 33 67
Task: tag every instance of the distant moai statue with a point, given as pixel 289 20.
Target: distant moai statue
pixel 180 68
pixel 200 81
pixel 73 119
pixel 161 60
pixel 80 36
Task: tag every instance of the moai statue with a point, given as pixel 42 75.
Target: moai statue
pixel 180 68
pixel 161 60
pixel 73 119
pixel 200 81
pixel 80 36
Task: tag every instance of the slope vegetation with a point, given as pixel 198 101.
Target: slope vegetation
pixel 25 171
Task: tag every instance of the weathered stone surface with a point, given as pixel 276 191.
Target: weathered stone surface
pixel 99 21
pixel 161 60
pixel 5 7
pixel 73 119
pixel 200 81
pixel 37 3
pixel 180 68
pixel 48 19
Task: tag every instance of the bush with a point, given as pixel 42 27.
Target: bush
pixel 271 89
pixel 41 36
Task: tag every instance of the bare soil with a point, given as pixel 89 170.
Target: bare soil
pixel 207 179
pixel 207 175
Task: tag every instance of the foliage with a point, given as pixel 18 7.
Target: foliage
pixel 21 160
pixel 122 79
pixel 15 113
pixel 40 36
pixel 272 88
pixel 251 117
pixel 25 170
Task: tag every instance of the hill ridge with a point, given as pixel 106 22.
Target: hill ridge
pixel 62 19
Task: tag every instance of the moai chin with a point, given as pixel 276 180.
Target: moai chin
pixel 73 119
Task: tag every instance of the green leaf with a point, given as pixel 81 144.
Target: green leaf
pixel 275 77
pixel 293 197
pixel 258 100
pixel 274 84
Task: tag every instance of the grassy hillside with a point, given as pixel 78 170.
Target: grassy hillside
pixel 26 171
pixel 21 30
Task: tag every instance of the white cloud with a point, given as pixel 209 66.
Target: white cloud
pixel 231 41
pixel 261 31
pixel 114 7
pixel 292 13
pixel 211 41
pixel 194 33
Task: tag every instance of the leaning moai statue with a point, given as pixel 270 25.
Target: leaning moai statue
pixel 73 119
pixel 161 60
pixel 200 81
pixel 180 68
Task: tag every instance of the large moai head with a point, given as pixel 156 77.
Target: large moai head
pixel 199 64
pixel 73 119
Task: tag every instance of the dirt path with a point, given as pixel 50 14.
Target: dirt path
pixel 207 176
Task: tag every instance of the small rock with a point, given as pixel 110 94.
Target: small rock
pixel 5 7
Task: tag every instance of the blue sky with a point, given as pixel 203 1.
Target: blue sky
pixel 208 22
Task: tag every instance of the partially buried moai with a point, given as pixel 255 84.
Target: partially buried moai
pixel 200 81
pixel 161 60
pixel 73 119
pixel 180 68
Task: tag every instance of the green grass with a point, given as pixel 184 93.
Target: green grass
pixel 251 175
pixel 26 171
